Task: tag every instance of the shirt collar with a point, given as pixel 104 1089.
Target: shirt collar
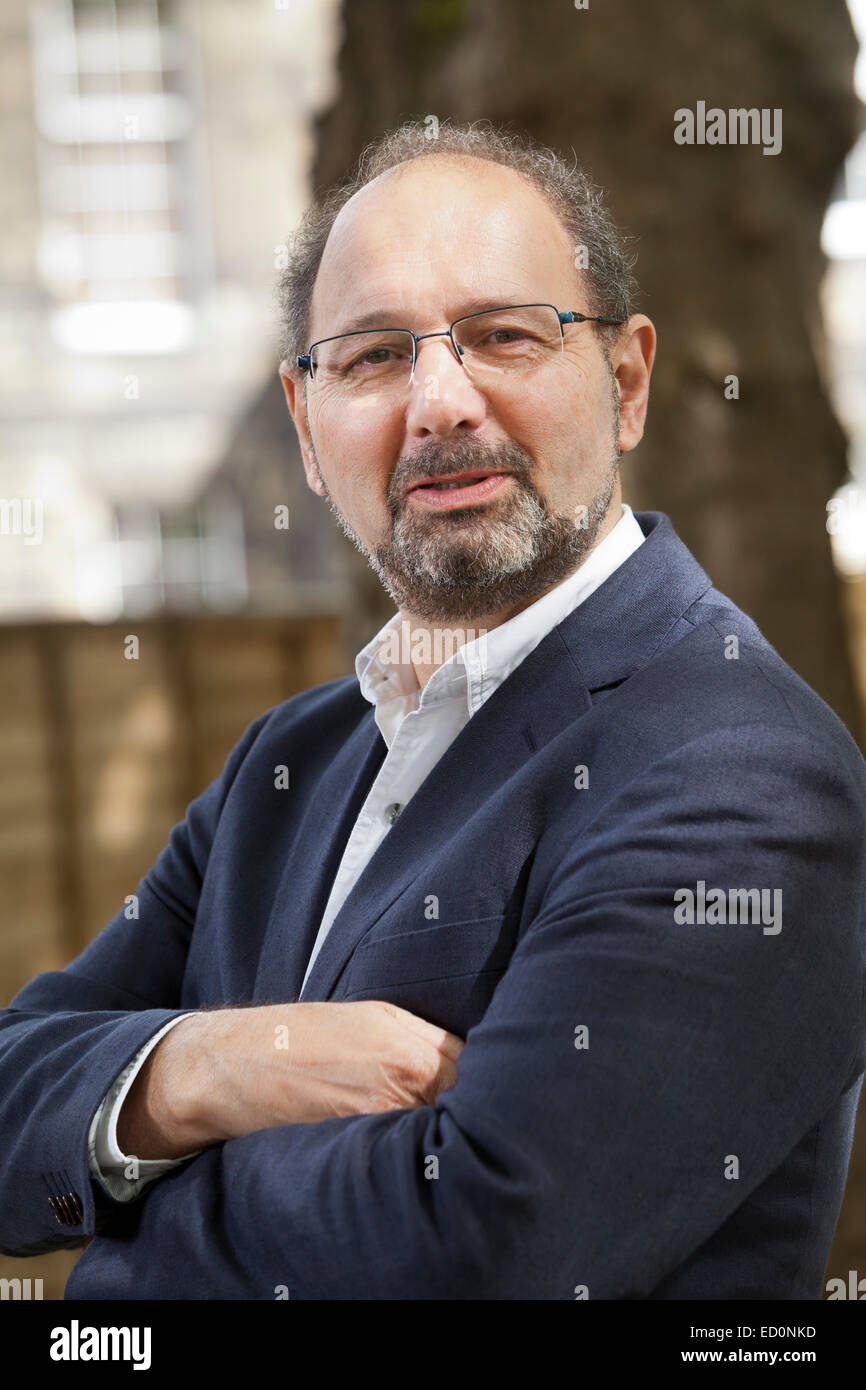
pixel 477 667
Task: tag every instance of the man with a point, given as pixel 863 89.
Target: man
pixel 550 946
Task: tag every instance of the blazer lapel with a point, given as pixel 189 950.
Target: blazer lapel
pixel 314 858
pixel 618 628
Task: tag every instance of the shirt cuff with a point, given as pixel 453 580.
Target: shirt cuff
pixel 122 1175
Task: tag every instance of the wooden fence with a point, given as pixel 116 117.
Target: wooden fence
pixel 101 753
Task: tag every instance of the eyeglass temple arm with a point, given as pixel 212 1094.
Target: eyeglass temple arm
pixel 572 316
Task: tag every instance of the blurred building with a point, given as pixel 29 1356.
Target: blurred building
pixel 155 155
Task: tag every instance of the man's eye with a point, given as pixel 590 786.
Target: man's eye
pixel 510 337
pixel 373 357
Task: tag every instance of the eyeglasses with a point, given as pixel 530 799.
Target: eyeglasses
pixel 515 338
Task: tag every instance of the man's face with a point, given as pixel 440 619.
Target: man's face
pixel 421 246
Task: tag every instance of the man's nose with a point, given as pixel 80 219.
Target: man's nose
pixel 442 395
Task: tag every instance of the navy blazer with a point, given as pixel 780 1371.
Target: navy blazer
pixel 647 1107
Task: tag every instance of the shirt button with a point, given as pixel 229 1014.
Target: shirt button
pixel 392 812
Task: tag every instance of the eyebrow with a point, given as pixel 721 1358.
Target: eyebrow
pixel 378 319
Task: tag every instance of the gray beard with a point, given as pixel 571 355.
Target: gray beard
pixel 469 562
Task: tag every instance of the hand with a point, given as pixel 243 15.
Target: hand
pixel 221 1074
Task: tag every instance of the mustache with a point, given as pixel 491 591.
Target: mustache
pixel 434 458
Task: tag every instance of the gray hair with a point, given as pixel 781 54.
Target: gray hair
pixel 569 191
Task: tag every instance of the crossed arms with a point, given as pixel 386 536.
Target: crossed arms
pixel 556 1166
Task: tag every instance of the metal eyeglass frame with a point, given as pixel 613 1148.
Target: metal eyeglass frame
pixel 305 360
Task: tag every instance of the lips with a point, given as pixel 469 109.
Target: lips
pixel 454 480
pixel 457 492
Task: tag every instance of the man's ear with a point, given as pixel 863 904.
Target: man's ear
pixel 632 362
pixel 294 387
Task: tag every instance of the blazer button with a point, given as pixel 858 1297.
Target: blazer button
pixel 392 812
pixel 67 1208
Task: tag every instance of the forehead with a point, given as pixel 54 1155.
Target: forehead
pixel 425 238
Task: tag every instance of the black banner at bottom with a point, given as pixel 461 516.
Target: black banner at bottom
pixel 158 1338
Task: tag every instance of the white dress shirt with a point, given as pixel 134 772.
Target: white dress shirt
pixel 417 726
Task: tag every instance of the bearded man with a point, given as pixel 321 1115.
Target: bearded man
pixel 541 973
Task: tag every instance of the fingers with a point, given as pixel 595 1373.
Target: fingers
pixel 425 1077
pixel 451 1047
pixel 447 1077
pixel 446 1043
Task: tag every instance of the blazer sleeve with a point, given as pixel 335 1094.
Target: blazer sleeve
pixel 68 1034
pixel 633 1080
